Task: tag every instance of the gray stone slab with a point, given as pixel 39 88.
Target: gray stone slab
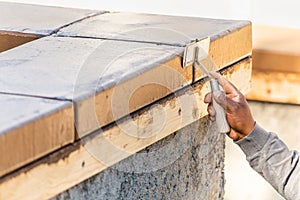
pixel 68 68
pixel 175 30
pixel 40 20
pixel 17 111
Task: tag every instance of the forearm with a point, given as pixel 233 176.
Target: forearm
pixel 271 158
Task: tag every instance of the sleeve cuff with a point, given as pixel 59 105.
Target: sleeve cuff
pixel 255 141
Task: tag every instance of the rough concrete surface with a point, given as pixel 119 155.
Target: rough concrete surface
pixel 186 165
pixel 283 119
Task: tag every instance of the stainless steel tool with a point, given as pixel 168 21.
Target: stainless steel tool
pixel 193 54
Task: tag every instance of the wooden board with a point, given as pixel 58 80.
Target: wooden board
pixel 31 128
pixel 276 65
pixel 9 40
pixel 39 20
pixel 273 86
pixel 71 165
pixel 276 48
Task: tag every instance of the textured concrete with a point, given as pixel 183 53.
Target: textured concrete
pixel 186 165
pixel 283 119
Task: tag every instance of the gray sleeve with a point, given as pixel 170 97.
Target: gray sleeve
pixel 272 159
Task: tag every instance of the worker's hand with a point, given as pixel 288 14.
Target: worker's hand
pixel 238 113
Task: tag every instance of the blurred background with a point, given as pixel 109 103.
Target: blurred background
pixel 279 13
pixel 241 181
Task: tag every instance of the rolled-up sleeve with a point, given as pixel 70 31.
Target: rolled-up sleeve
pixel 271 158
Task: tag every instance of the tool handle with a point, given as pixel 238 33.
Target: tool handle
pixel 221 120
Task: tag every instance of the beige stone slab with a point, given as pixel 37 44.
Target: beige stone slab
pixel 38 20
pixel 31 128
pixel 73 164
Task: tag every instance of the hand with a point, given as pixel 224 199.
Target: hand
pixel 237 110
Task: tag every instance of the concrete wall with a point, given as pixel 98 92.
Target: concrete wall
pixel 186 165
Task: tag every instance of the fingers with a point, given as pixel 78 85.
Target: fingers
pixel 212 112
pixel 220 98
pixel 210 109
pixel 234 135
pixel 228 87
pixel 207 98
pixel 227 103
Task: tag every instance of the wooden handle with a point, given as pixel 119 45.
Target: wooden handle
pixel 221 120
